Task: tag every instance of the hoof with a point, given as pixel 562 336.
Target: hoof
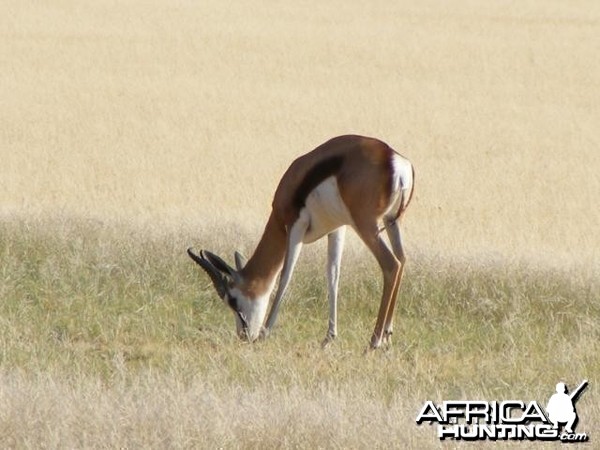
pixel 375 342
pixel 369 350
pixel 387 339
pixel 327 341
pixel 264 334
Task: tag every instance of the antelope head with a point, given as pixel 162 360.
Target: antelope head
pixel 229 283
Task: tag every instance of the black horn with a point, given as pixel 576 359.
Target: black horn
pixel 213 272
pixel 218 263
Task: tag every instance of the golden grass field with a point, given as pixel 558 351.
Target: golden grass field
pixel 131 130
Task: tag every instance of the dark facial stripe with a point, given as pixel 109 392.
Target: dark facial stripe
pixel 244 323
pixel 314 176
pixel 232 302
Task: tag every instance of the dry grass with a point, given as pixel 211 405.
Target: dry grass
pixel 129 130
pixel 182 113
pixel 107 343
pixel 84 413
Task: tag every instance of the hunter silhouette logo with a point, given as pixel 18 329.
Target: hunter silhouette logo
pixel 508 420
pixel 561 406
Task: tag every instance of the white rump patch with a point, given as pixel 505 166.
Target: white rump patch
pixel 402 183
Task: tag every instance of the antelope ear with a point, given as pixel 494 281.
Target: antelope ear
pixel 240 260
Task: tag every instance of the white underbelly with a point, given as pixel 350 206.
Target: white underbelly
pixel 326 209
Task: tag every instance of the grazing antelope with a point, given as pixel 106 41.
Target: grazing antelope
pixel 348 180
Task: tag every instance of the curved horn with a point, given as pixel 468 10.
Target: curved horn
pixel 215 275
pixel 218 263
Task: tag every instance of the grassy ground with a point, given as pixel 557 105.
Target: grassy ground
pixel 131 130
pixel 178 113
pixel 109 339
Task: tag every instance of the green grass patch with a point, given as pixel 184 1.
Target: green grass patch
pixel 84 301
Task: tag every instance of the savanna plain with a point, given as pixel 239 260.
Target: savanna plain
pixel 130 131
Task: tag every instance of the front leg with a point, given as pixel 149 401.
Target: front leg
pixel 335 248
pixel 294 245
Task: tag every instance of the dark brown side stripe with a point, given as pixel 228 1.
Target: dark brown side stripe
pixel 314 177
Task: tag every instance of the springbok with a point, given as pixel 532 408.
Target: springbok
pixel 348 180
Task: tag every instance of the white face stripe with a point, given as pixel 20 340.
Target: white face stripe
pixel 252 310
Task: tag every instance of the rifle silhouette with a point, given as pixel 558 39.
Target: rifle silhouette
pixel 577 392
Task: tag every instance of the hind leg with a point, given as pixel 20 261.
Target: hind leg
pixel 390 267
pixel 393 231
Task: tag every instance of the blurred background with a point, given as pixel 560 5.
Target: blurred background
pixel 184 115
